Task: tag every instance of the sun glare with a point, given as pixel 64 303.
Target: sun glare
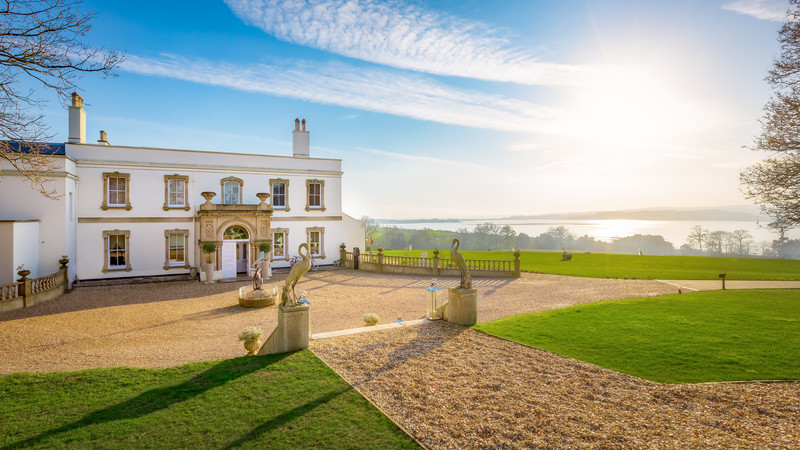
pixel 632 110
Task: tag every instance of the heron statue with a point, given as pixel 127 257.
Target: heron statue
pixel 288 297
pixel 461 263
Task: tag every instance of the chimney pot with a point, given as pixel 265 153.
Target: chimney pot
pixel 300 140
pixel 77 121
pixel 103 138
pixel 77 100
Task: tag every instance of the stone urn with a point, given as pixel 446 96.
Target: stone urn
pixel 63 262
pixel 252 346
pixel 24 274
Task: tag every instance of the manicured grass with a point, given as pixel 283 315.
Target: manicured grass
pixel 278 401
pixel 606 265
pixel 698 337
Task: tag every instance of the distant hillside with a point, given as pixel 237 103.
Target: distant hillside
pixel 745 213
pixel 738 213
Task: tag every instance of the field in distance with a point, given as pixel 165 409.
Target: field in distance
pixel 653 267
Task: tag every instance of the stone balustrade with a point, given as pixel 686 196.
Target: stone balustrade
pixel 27 292
pixel 430 266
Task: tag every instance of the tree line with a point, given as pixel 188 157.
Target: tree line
pixel 490 236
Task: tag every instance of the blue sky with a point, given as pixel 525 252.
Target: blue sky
pixel 452 108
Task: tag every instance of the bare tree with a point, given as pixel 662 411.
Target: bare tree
pixel 41 42
pixel 370 225
pixel 743 239
pixel 697 237
pixel 775 182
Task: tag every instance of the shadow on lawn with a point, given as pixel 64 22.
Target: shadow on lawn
pixel 286 417
pixel 157 399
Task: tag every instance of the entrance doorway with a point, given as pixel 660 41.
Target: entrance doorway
pixel 235 255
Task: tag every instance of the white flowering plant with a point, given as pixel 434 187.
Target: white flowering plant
pixel 371 319
pixel 20 267
pixel 251 334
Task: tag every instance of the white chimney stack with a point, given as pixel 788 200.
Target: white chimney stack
pixel 77 121
pixel 300 140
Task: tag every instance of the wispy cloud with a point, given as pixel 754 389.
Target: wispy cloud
pixel 405 36
pixel 427 159
pixel 378 90
pixel 773 10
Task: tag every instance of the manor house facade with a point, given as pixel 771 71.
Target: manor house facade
pixel 135 211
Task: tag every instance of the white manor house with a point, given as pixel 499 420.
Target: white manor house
pixel 137 212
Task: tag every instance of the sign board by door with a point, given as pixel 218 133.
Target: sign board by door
pixel 229 260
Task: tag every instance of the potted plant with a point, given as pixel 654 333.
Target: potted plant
pixel 266 267
pixel 209 248
pixel 23 272
pixel 252 339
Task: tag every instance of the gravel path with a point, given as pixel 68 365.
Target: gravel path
pixel 453 387
pixel 168 324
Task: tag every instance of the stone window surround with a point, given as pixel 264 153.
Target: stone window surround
pixel 185 264
pixel 286 197
pixel 321 231
pixel 106 175
pixel 185 179
pixel 321 206
pixel 285 232
pixel 222 189
pixel 127 234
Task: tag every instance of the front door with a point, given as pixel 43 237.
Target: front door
pixel 241 257
pixel 229 259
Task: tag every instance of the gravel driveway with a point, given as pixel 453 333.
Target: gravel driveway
pixel 168 324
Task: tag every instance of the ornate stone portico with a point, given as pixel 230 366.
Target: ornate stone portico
pixel 246 221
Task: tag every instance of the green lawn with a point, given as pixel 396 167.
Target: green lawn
pixel 697 337
pixel 279 401
pixel 606 265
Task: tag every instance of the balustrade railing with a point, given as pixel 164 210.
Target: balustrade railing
pixel 30 291
pixel 9 291
pixel 424 265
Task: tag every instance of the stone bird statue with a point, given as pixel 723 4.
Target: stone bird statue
pixel 461 263
pixel 288 297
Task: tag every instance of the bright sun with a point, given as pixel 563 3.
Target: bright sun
pixel 633 110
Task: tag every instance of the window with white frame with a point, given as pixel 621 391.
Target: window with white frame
pixel 116 250
pixel 280 194
pixel 315 238
pixel 280 238
pixel 315 198
pixel 116 191
pixel 231 191
pixel 175 192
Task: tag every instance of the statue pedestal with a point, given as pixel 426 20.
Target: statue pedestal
pixel 292 332
pixel 462 306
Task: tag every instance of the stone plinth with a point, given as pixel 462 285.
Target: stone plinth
pixel 292 332
pixel 462 306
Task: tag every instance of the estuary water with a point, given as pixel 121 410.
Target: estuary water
pixel 674 231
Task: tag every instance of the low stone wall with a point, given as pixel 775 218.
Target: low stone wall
pixel 31 291
pixel 430 266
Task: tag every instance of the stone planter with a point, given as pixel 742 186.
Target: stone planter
pixel 266 269
pixel 63 263
pixel 24 274
pixel 252 346
pixel 209 272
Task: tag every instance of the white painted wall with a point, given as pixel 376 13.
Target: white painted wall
pixel 21 202
pixel 26 248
